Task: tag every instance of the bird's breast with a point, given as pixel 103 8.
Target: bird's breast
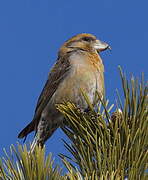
pixel 82 77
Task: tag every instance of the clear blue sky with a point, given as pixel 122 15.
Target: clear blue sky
pixel 31 32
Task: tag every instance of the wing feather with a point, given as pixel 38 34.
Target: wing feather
pixel 59 71
pixel 56 75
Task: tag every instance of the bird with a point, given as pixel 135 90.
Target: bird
pixel 78 67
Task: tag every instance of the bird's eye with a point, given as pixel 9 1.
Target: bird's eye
pixel 88 39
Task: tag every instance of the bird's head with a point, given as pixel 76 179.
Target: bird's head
pixel 84 42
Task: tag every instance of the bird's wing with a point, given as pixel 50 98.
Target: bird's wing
pixel 59 71
pixel 56 75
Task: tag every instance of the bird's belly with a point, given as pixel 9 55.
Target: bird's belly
pixel 73 85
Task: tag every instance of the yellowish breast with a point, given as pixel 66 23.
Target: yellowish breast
pixel 86 75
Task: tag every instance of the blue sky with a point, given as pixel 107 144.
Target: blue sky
pixel 31 32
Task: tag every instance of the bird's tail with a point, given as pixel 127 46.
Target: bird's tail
pixel 28 129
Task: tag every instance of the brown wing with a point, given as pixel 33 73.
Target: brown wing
pixel 56 75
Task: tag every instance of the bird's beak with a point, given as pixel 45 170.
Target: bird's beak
pixel 101 46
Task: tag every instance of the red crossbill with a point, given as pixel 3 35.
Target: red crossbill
pixel 78 67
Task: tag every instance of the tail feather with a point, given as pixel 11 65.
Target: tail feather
pixel 28 129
